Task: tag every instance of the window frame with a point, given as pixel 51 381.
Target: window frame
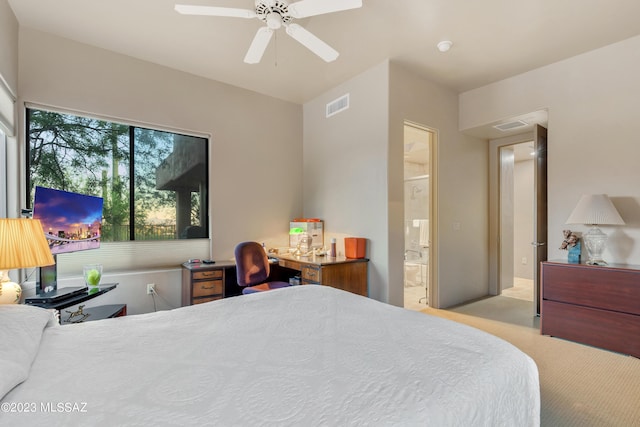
pixel 4 195
pixel 131 254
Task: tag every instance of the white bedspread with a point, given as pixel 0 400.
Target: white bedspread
pixel 304 355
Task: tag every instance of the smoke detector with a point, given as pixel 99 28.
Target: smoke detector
pixel 444 45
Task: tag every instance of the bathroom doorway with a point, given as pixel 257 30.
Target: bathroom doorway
pixel 418 145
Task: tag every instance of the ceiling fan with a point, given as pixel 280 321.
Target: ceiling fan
pixel 275 14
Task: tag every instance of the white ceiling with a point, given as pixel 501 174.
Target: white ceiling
pixel 493 39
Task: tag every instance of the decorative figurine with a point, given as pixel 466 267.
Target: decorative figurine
pixel 77 316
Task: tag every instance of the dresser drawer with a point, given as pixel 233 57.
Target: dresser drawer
pixel 601 328
pixel 208 274
pixel 206 288
pixel 606 288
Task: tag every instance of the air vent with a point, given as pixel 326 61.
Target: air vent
pixel 340 104
pixel 510 125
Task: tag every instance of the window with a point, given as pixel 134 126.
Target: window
pixel 154 183
pixel 3 175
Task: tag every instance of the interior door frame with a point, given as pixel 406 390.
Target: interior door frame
pixel 432 262
pixel 540 220
pixel 495 287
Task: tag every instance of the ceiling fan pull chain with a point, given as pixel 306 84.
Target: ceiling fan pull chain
pixel 275 48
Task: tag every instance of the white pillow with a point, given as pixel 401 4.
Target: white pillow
pixel 21 328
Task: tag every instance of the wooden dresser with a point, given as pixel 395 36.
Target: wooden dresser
pixel 594 305
pixel 202 282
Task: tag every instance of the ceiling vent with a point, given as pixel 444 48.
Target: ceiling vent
pixel 340 104
pixel 510 125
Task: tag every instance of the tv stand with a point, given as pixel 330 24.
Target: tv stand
pixel 95 313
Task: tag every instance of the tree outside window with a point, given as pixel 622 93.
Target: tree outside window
pixel 154 183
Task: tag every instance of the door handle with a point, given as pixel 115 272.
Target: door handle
pixel 536 244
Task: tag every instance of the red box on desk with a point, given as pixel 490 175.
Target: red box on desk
pixel 355 247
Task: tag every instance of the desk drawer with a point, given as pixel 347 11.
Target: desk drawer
pixel 207 299
pixel 310 274
pixel 206 288
pixel 286 263
pixel 209 274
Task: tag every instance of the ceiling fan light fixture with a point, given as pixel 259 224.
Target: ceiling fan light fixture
pixel 274 20
pixel 445 45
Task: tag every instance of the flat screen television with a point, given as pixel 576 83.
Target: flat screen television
pixel 71 222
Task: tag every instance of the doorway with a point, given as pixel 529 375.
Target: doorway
pixel 516 220
pixel 518 212
pixel 418 201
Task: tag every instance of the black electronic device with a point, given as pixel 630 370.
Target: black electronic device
pixel 71 222
pixel 56 295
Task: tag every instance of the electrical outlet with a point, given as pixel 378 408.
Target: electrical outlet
pixel 524 260
pixel 151 289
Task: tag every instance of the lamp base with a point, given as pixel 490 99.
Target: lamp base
pixel 595 241
pixel 10 292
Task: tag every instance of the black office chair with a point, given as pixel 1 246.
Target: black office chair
pixel 252 269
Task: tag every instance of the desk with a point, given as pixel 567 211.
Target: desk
pixel 342 273
pixel 208 282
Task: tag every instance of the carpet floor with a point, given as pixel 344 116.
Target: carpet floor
pixel 580 385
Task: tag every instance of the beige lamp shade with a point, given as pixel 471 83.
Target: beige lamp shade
pixel 22 245
pixel 595 209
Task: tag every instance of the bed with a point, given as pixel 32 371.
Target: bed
pixel 303 355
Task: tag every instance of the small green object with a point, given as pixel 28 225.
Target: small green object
pixel 296 230
pixel 93 277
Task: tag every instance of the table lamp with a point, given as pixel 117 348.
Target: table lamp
pixel 22 245
pixel 594 210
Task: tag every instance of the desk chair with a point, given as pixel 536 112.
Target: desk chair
pixel 252 269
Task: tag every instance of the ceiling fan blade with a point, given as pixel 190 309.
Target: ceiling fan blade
pixel 186 9
pixel 258 45
pixel 311 42
pixel 306 8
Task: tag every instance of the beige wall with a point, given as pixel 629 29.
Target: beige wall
pixel 8 46
pixel 9 76
pixel 255 140
pixel 461 196
pixel 353 168
pixel 592 101
pixel 345 168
